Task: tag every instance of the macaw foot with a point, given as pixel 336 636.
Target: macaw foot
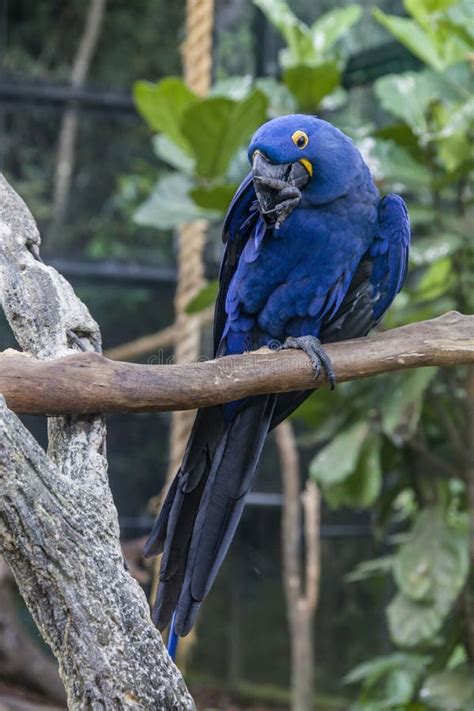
pixel 315 352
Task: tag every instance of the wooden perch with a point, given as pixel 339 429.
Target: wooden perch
pixel 88 382
pixel 59 529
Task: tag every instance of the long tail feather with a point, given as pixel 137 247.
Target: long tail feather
pixel 203 507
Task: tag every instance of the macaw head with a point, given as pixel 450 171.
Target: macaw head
pixel 300 156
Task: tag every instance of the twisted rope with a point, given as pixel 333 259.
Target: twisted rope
pixel 197 62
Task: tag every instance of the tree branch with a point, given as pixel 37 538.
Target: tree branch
pixel 59 531
pixel 88 382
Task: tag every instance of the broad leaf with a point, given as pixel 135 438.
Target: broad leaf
pixel 411 95
pixel 214 197
pixel 363 486
pixel 403 136
pixel 458 18
pixel 430 570
pixel 453 139
pixel 455 124
pixel 450 690
pixel 421 9
pixel 205 298
pixel 280 99
pixel 335 462
pixel 169 205
pixel 172 154
pixel 310 84
pixel 349 469
pixel 331 26
pixel 371 671
pixel 217 127
pixel 163 105
pixel 410 34
pixel 437 280
pixel 401 407
pixel 233 87
pixel 297 35
pixel 370 569
pixel 407 97
pixel 397 166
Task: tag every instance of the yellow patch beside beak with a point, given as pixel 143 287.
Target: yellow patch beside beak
pixel 307 164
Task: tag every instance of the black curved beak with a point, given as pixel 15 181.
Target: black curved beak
pixel 278 186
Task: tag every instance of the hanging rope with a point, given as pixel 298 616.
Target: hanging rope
pixel 197 64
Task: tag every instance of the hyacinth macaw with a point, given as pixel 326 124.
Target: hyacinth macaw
pixel 312 254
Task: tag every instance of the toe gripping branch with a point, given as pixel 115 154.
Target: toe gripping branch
pixel 316 353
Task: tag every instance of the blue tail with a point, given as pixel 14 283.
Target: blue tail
pixel 172 639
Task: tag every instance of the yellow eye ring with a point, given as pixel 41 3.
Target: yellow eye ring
pixel 300 139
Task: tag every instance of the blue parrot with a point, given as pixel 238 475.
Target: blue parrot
pixel 312 255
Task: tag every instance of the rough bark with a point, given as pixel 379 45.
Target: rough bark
pixel 58 525
pixel 88 382
pixel 301 582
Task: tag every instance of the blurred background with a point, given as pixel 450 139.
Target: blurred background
pixel 123 126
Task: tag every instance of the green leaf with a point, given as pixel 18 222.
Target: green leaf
pixel 459 19
pixel 401 408
pixel 172 154
pixel 448 26
pixel 206 297
pixel 410 34
pixel 407 96
pixel 335 462
pixel 454 150
pixel 169 204
pixel 430 570
pixel 453 137
pixel 214 197
pixel 310 84
pixel 163 105
pixel 403 136
pixel 449 690
pixel 280 99
pixel 397 166
pixel 411 96
pixel 420 9
pixel 233 87
pixel 349 469
pixel 436 280
pixel 372 671
pixel 217 127
pixel 363 487
pixel 370 569
pixel 331 26
pixel 296 34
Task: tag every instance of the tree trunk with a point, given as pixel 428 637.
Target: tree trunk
pixel 59 529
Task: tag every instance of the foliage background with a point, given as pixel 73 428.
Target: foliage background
pixel 392 455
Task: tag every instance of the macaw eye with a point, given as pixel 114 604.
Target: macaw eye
pixel 300 139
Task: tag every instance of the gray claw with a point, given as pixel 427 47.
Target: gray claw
pixel 315 352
